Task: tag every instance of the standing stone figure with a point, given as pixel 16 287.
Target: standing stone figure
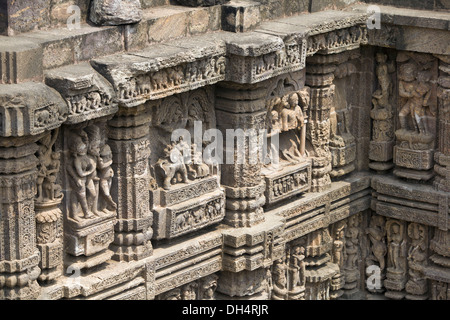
pixel 396 245
pixel 377 233
pixel 297 270
pixel 82 172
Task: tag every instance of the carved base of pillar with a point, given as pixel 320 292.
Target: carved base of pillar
pixel 337 283
pixel 442 169
pixel 395 295
pixel 50 274
pixel 83 262
pixel 318 281
pixel 381 167
pixel 20 285
pixel 440 260
pixel 342 171
pixel 298 294
pixel 351 279
pixel 342 160
pixel 414 174
pixel 417 287
pixel 255 297
pixel 395 283
pixel 132 252
pixel 29 292
pixel 416 297
pixel 413 164
pixel 243 219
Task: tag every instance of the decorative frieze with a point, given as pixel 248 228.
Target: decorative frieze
pixel 30 108
pixel 336 41
pixel 87 93
pixel 170 70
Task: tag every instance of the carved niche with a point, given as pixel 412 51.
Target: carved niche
pixel 287 169
pixel 186 192
pixel 90 211
pixel 417 107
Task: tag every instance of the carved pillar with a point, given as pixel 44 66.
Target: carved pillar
pixel 19 256
pixel 130 187
pixel 437 269
pixel 49 219
pixel 342 141
pixel 27 112
pixel 319 77
pixel 382 114
pixel 442 156
pixel 86 174
pixel 240 111
pixel 320 270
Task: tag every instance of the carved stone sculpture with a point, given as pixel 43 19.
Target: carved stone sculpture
pixel 48 214
pixel 382 142
pixel 417 116
pixel 377 235
pixel 90 211
pixel 417 260
pixel 297 273
pixel 280 291
pixel 396 260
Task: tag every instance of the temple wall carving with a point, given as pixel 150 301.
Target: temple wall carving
pixel 270 155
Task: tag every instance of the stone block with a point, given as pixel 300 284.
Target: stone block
pixel 20 60
pixel 87 93
pixel 29 109
pixel 200 3
pixel 167 23
pixel 115 12
pixel 23 16
pixel 241 16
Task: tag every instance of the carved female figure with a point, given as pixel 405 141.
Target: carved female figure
pixel 105 174
pixel 396 244
pixel 377 233
pixel 297 268
pixel 279 280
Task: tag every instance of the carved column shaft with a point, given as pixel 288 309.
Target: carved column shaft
pixel 240 111
pixel 130 187
pixel 319 76
pixel 19 256
pixel 442 156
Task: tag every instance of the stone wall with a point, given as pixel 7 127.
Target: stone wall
pixel 347 199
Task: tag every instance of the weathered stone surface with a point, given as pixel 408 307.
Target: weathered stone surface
pixel 240 16
pixel 114 12
pixel 30 109
pixel 20 61
pixel 106 194
pixel 87 93
pixel 201 3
